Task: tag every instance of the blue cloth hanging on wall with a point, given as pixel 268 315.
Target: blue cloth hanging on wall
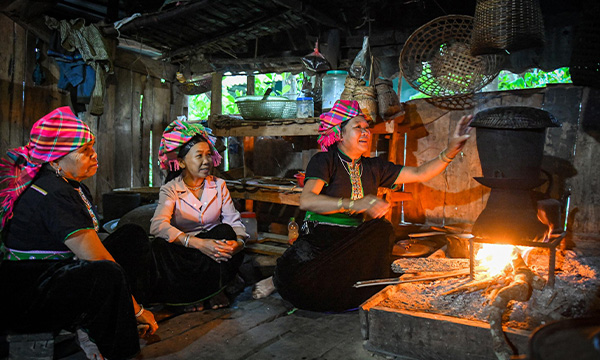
pixel 79 75
pixel 73 71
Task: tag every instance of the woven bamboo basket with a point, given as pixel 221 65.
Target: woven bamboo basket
pixel 255 108
pixel 457 102
pixel 367 100
pixel 195 87
pixel 289 111
pixel 506 25
pixel 436 59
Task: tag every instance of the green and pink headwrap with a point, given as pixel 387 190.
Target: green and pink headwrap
pixel 52 137
pixel 177 134
pixel 329 128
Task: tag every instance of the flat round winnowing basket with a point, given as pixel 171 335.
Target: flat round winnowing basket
pixel 511 25
pixel 457 102
pixel 436 58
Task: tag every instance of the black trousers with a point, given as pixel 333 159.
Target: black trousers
pixel 50 295
pixel 162 272
pixel 317 272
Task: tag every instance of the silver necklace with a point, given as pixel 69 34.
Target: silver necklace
pixel 194 188
pixel 346 166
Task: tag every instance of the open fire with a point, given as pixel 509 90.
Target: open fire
pixel 418 309
pixel 492 259
pixel 519 280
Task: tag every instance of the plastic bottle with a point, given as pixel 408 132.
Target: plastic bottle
pixel 305 107
pixel 333 85
pixel 249 221
pixel 292 230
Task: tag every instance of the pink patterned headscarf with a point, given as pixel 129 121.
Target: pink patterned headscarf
pixel 329 128
pixel 177 134
pixel 52 137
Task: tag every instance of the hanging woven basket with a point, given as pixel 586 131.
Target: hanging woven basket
pixel 436 59
pixel 507 25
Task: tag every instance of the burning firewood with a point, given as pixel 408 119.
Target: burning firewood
pixel 519 289
pixel 516 283
pixel 418 265
pixel 474 285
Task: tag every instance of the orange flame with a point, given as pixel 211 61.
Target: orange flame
pixel 492 259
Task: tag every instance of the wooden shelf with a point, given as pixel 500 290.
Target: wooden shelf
pixel 224 125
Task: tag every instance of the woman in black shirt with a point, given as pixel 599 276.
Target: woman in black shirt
pixel 56 273
pixel 337 246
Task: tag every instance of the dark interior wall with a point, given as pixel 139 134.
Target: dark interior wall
pixel 124 130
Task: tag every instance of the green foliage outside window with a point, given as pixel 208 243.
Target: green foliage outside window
pixel 506 80
pixel 535 78
pixel 199 107
pixel 235 86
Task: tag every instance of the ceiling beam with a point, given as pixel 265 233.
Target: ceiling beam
pixel 222 35
pixel 25 10
pixel 311 13
pixel 174 14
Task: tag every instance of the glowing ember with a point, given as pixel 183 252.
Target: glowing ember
pixel 492 259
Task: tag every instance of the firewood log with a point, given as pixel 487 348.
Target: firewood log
pixel 428 265
pixel 519 289
pixel 473 286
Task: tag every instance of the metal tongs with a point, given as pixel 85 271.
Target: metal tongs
pixel 399 280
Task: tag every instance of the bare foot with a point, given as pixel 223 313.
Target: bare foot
pixel 193 308
pixel 263 288
pixel 89 348
pixel 218 301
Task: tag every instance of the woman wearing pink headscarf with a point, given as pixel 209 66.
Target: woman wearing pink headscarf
pixel 199 233
pixel 337 247
pixel 56 273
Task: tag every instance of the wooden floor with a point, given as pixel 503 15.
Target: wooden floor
pixel 268 328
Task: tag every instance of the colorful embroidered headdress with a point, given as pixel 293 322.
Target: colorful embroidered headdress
pixel 329 128
pixel 177 134
pixel 52 137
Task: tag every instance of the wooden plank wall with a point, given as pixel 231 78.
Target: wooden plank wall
pixel 123 131
pixel 138 109
pixel 568 156
pixel 21 102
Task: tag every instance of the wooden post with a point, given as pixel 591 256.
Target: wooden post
pixel 139 164
pixel 249 143
pixel 216 94
pixel 393 145
pixel 332 51
pixel 248 163
pixel 250 85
